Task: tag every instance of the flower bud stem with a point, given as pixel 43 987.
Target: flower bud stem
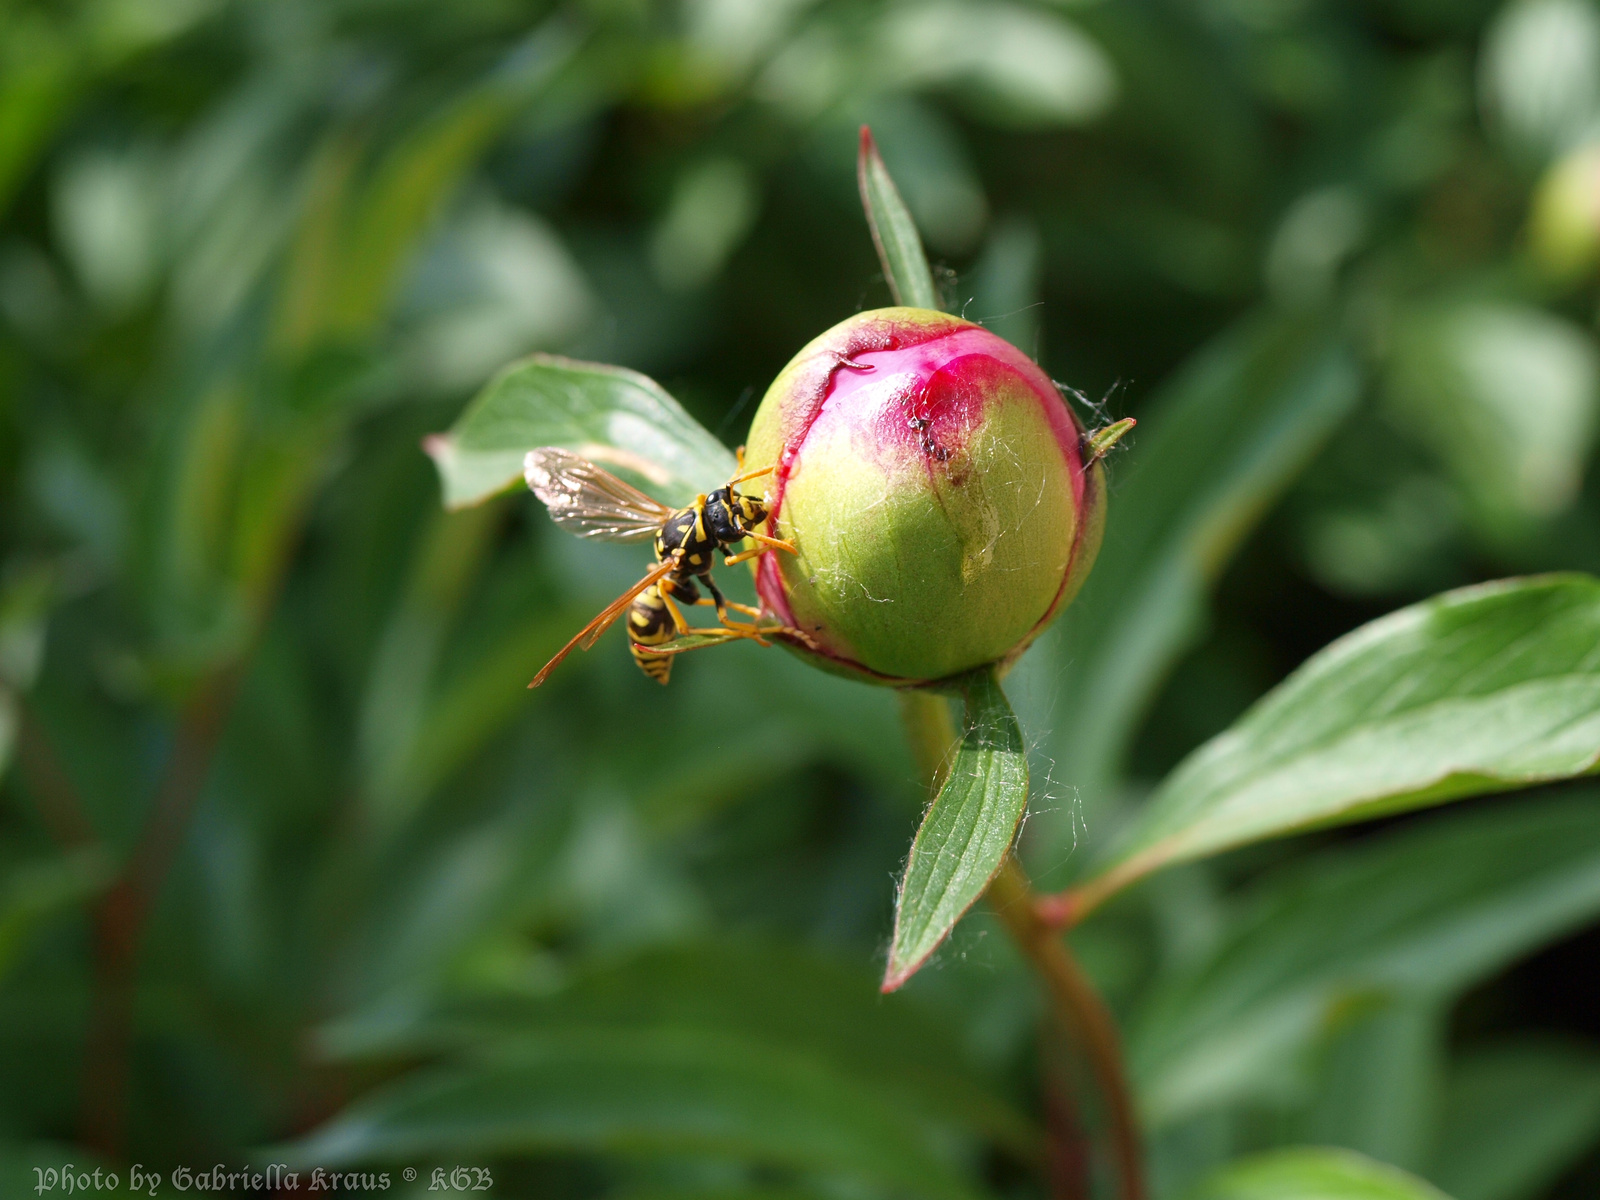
pixel 1082 1014
pixel 1077 1007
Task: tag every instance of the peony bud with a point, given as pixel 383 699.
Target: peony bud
pixel 934 485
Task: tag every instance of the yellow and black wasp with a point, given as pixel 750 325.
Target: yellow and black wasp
pixel 590 502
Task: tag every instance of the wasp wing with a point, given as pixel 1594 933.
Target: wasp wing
pixel 590 501
pixel 590 633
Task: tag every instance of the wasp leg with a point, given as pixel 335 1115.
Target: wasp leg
pixel 681 624
pixel 730 629
pixel 683 627
pixel 733 604
pixel 724 613
pixel 724 604
pixel 721 602
pixel 764 543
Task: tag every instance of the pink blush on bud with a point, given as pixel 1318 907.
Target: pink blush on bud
pixel 924 399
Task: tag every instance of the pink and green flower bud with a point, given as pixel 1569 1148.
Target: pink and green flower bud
pixel 935 487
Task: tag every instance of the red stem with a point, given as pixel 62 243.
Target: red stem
pixel 1082 1013
pixel 123 912
pixel 53 793
pixel 1078 1009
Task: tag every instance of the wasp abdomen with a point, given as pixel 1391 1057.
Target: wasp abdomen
pixel 650 624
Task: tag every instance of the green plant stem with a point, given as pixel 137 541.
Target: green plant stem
pixel 931 732
pixel 1078 1009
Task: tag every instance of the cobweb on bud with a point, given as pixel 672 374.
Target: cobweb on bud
pixel 1050 795
pixel 1095 414
pixel 1035 693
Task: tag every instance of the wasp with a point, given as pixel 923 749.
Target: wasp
pixel 589 501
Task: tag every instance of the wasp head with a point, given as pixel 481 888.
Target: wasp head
pixel 751 510
pixel 730 514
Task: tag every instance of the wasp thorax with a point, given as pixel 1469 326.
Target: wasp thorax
pixel 933 483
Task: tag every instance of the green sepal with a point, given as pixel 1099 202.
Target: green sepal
pixel 894 233
pixel 968 829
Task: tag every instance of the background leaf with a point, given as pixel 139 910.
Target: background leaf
pixel 657 1092
pixel 1518 1113
pixel 1314 1174
pixel 768 994
pixel 618 418
pixel 1378 1081
pixel 1421 913
pixel 1478 690
pixel 30 893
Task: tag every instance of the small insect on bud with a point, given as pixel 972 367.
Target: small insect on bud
pixel 938 492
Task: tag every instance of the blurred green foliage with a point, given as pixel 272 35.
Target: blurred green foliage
pixel 262 699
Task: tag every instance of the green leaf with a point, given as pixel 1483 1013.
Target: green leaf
pixel 659 1092
pixel 1478 690
pixel 894 233
pixel 1418 915
pixel 1507 395
pixel 54 56
pixel 967 831
pixel 1018 66
pixel 32 892
pixel 618 418
pixel 825 1011
pixel 1516 1115
pixel 1377 1087
pixel 690 641
pixel 1220 443
pixel 450 552
pixel 699 641
pixel 358 234
pixel 473 703
pixel 1313 1173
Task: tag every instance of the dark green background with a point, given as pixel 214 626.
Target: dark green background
pixel 253 252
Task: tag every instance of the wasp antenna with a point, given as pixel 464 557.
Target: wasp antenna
pixel 751 475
